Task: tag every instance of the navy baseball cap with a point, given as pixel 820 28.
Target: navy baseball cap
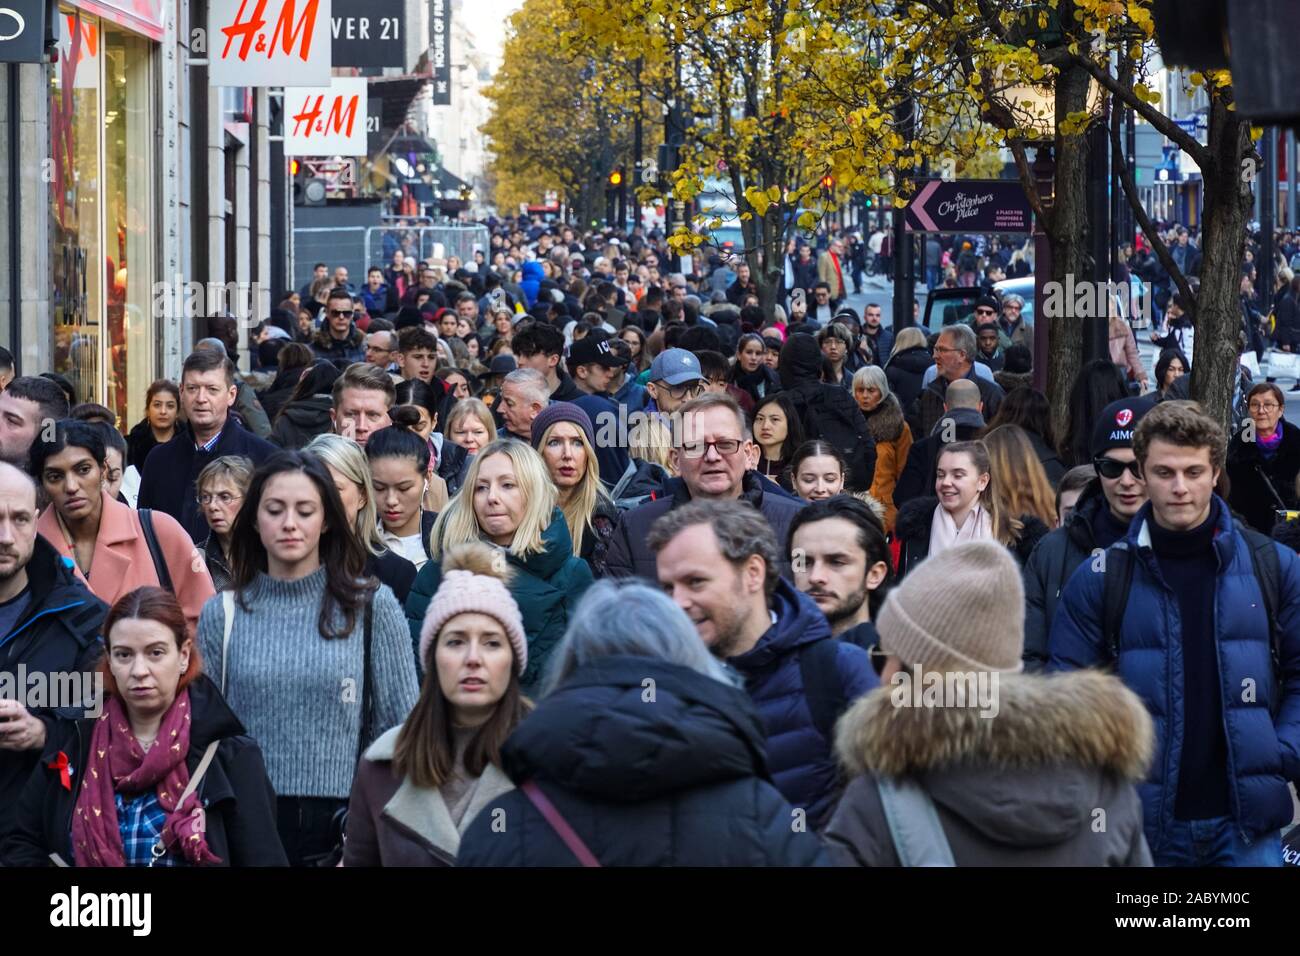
pixel 676 367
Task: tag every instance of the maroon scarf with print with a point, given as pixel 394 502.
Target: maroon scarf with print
pixel 117 763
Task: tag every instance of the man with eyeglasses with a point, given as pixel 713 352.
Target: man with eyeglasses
pixel 1263 460
pixel 1012 328
pixel 207 393
pixel 710 435
pixel 1101 517
pixel 381 350
pixel 339 340
pixel 954 359
pixel 675 379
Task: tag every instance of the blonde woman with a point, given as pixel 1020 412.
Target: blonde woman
pixel 509 500
pixel 907 366
pixel 563 435
pixel 1019 481
pixel 470 425
pixel 650 441
pixel 967 507
pixel 347 465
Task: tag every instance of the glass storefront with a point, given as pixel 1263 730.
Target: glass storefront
pixel 101 213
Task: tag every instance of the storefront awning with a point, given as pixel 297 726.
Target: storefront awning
pixel 142 16
pixel 397 92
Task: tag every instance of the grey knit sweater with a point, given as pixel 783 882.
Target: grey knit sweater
pixel 300 695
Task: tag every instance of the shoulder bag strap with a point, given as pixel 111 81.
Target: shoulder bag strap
pixel 155 551
pixel 559 824
pixel 367 706
pixel 158 850
pixel 228 603
pixel 913 823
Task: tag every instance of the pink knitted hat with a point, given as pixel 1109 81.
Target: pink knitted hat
pixel 473 581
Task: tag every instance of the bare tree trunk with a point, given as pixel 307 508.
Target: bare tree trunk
pixel 1228 203
pixel 1067 236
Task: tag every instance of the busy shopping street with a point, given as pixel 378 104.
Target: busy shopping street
pixel 655 434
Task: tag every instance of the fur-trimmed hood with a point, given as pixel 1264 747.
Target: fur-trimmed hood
pixel 886 422
pixel 1030 775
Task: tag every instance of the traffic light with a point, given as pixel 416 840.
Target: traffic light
pixel 308 190
pixel 616 178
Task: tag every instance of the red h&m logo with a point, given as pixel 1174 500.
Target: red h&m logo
pixel 286 33
pixel 333 123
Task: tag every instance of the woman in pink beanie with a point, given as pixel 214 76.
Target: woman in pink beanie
pixel 420 784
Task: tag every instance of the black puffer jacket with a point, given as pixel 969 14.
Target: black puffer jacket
pixel 235 791
pixel 58 633
pixel 917 517
pixel 681 781
pixel 826 411
pixel 906 372
pixel 1049 567
pixel 303 420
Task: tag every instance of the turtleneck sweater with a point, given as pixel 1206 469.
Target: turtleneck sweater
pixel 298 694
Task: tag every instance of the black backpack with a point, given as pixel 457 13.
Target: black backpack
pixel 822 687
pixel 1118 580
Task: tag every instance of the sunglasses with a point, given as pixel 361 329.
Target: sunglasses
pixel 342 313
pixel 1111 468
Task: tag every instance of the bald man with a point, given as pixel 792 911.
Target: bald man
pixel 962 420
pixel 49 625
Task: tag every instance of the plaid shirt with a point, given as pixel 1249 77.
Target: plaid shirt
pixel 210 444
pixel 140 822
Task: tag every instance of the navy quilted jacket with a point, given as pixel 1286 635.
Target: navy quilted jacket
pixel 1263 750
pixel 802 761
pixel 676 778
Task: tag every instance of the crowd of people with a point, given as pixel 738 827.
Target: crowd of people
pixel 563 557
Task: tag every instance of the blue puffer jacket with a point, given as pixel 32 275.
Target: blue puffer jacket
pixel 1263 751
pixel 802 761
pixel 531 283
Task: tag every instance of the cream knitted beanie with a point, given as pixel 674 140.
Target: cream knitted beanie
pixel 960 610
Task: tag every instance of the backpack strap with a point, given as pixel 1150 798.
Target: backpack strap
pixel 628 474
pixel 822 687
pixel 1268 572
pixel 155 550
pixel 557 823
pixel 913 823
pixel 1117 580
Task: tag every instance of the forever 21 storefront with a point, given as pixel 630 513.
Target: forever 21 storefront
pixel 103 213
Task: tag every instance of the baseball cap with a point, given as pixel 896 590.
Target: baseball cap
pixel 1115 424
pixel 593 348
pixel 676 367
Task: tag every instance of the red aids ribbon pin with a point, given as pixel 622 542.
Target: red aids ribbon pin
pixel 60 763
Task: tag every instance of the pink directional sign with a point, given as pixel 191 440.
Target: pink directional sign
pixel 969 205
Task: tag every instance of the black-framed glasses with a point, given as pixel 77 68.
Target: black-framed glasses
pixel 1112 468
pixel 723 446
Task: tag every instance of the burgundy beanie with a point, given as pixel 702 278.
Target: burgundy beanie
pixel 562 412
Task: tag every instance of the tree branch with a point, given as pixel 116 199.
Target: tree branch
pixel 1162 123
pixel 1149 227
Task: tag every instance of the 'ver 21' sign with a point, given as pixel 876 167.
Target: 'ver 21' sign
pixel 326 121
pixel 269 42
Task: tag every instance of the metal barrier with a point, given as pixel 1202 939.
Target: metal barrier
pixel 359 247
pixel 333 245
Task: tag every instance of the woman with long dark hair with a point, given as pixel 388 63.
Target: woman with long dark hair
pixel 1099 383
pixel 421 783
pixel 778 432
pixel 1170 366
pixel 399 472
pixel 447 459
pixel 314 657
pixel 750 370
pixel 1028 408
pixel 166 776
pixel 306 414
pixel 291 360
pixel 162 402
